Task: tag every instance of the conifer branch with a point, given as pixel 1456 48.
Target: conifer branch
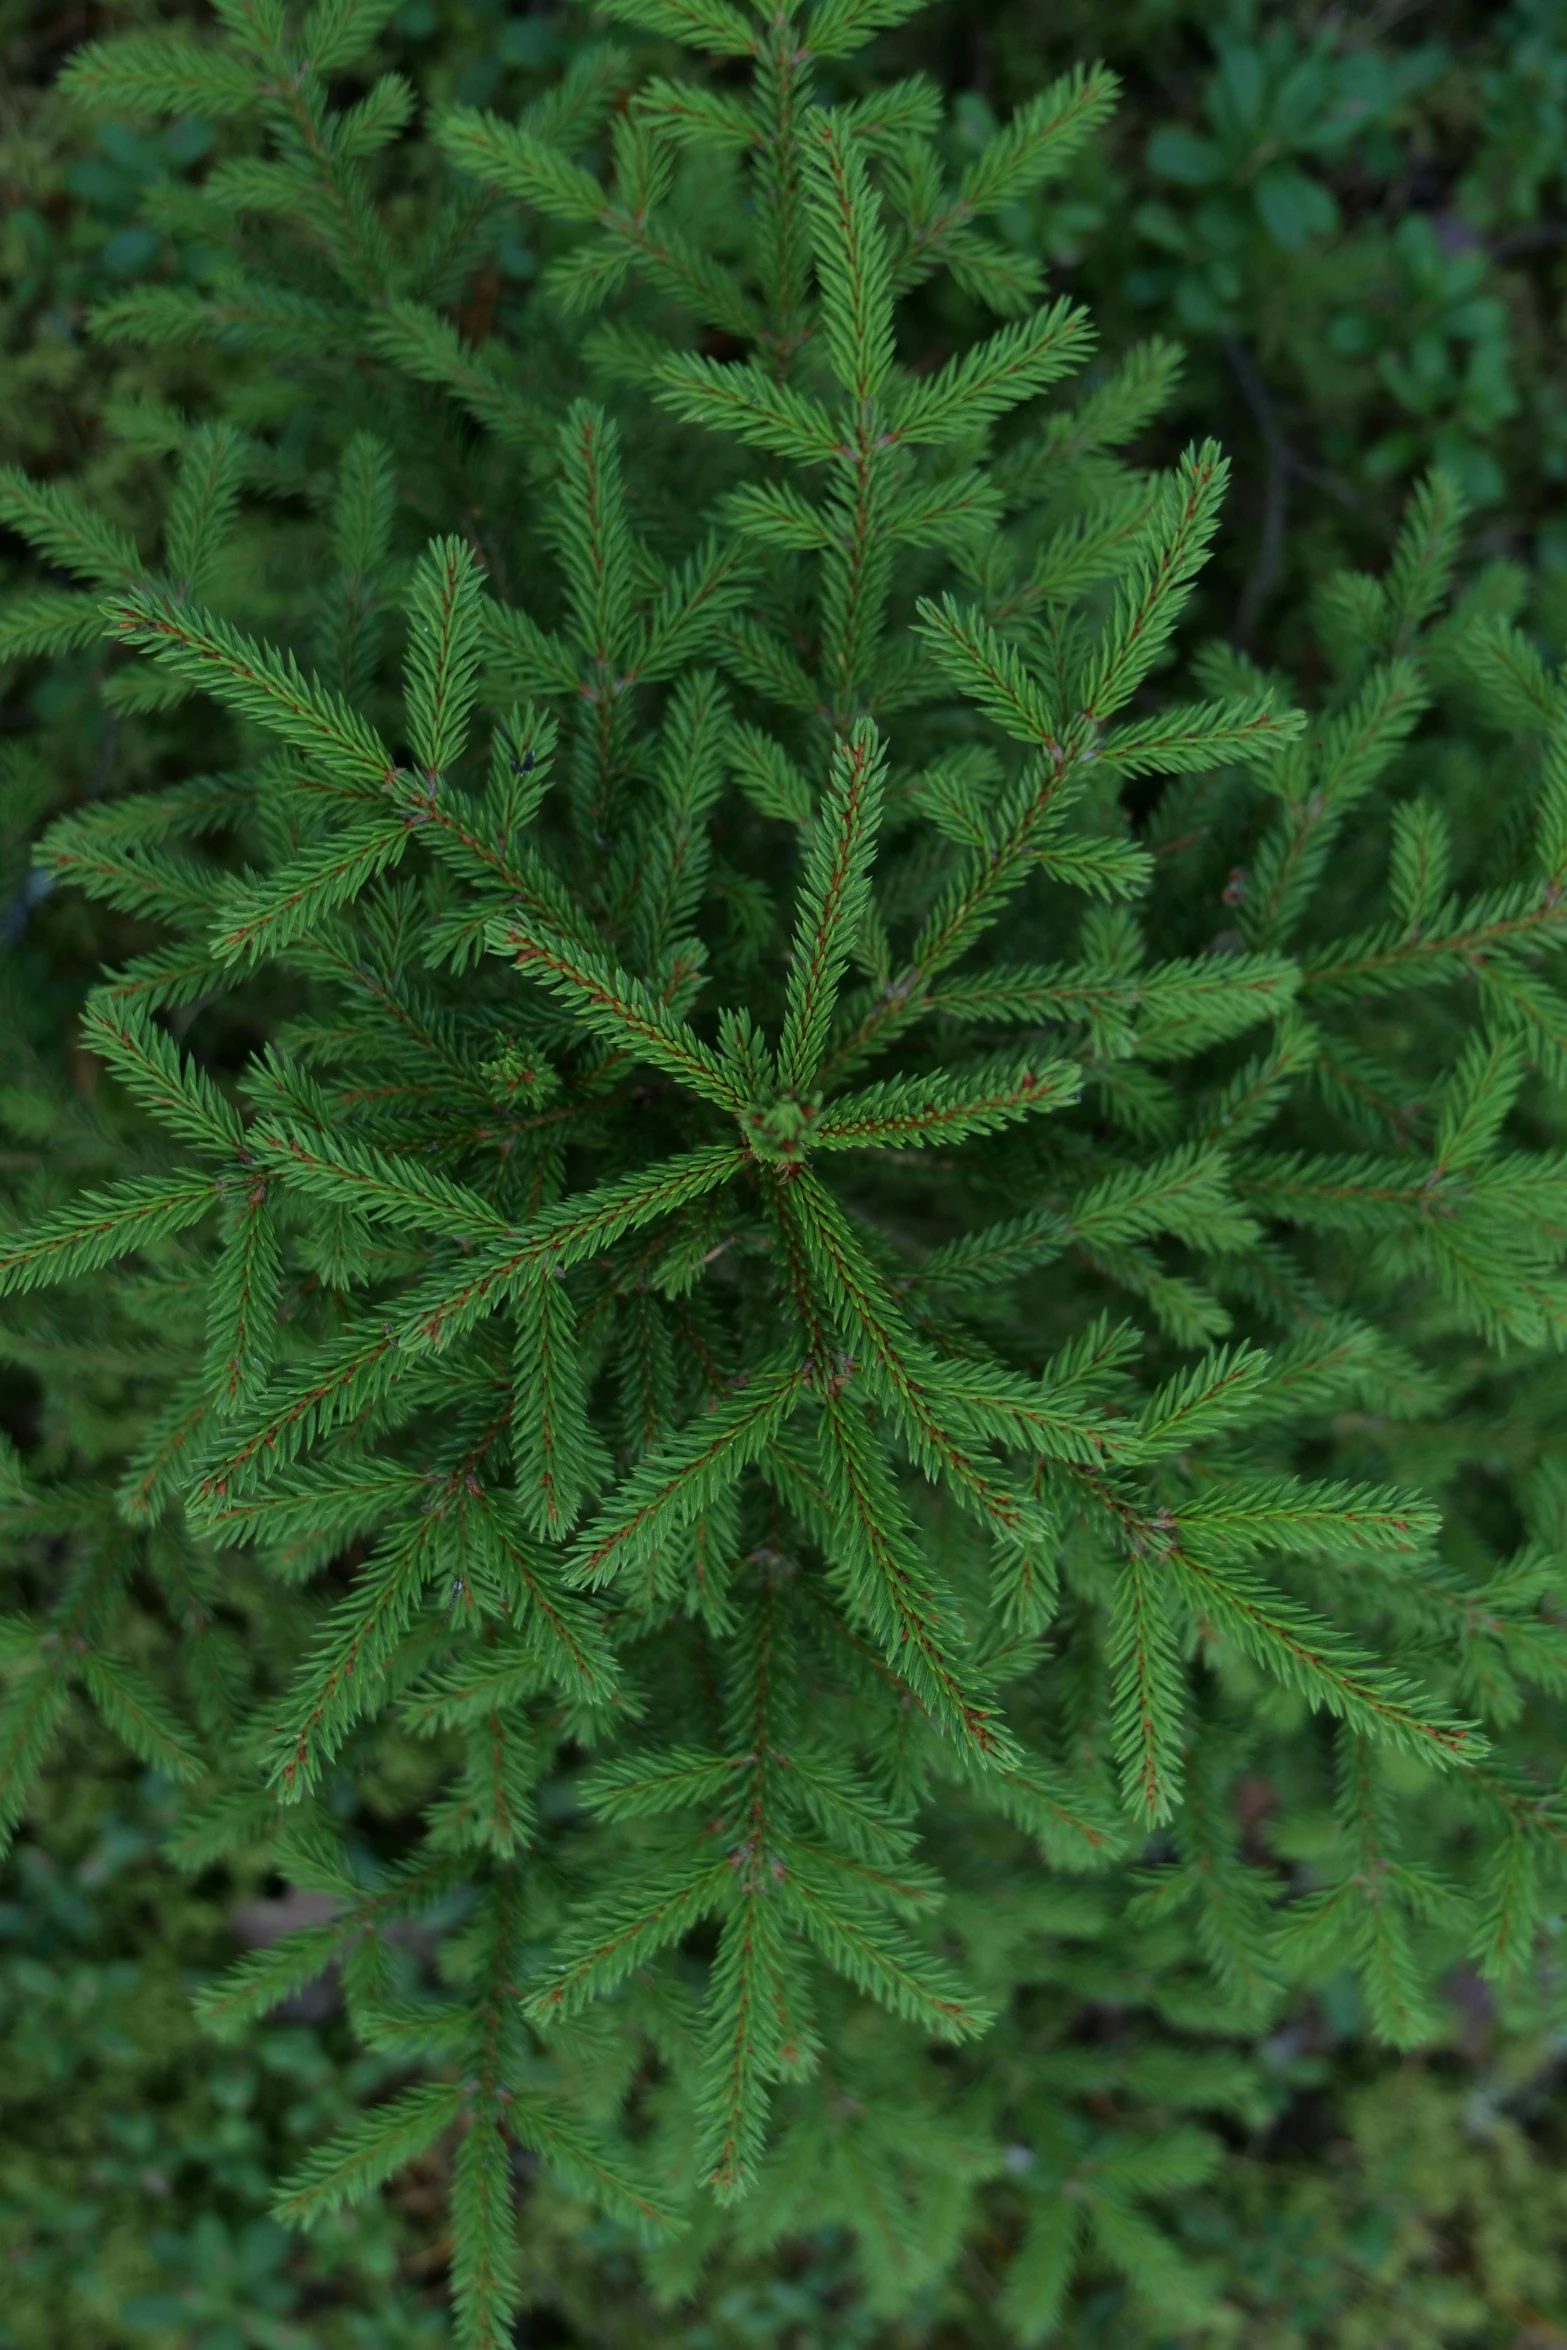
pixel 687 617
pixel 856 271
pixel 883 1960
pixel 258 918
pixel 833 897
pixel 1176 545
pixel 253 681
pixel 550 1430
pixel 137 1715
pixel 381 2143
pixel 904 1376
pixel 400 1192
pixel 66 532
pixel 1041 139
pixel 1150 1684
pixel 891 1587
pixel 149 1063
pixel 29 1721
pixel 258 1982
pixel 996 375
pixel 1289 1641
pixel 742 399
pixel 242 1312
pixel 100 1226
pixel 578 1229
pixel 444 643
pixel 360 1638
pixel 1240 1518
pixel 593 2167
pixel 980 661
pixel 917 1111
pixel 51 621
pixel 425 345
pixel 613 1942
pixel 617 1007
pixel 507 156
pixel 558 1643
pixel 674 1485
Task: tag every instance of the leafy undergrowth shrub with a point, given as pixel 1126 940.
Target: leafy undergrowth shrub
pixel 813 1340
pixel 1422 2203
pixel 120 2125
pixel 1353 221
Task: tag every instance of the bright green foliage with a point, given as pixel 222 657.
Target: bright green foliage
pixel 875 1251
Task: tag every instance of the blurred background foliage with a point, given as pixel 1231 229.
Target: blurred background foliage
pixel 1365 2202
pixel 1354 219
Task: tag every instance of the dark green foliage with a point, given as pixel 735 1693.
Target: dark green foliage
pixel 790 1237
pixel 1352 221
pixel 121 2118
